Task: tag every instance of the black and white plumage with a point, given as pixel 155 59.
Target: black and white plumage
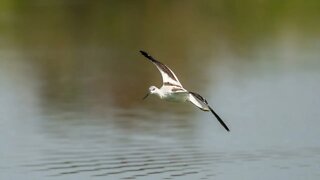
pixel 172 90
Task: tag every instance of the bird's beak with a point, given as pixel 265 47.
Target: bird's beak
pixel 145 96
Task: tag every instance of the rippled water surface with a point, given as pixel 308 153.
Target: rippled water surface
pixel 72 82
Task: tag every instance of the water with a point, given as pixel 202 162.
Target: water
pixel 71 83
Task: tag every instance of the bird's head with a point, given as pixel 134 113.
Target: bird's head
pixel 152 90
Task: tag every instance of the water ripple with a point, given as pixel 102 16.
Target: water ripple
pixel 167 161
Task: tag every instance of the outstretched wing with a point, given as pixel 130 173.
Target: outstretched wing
pixel 168 77
pixel 201 103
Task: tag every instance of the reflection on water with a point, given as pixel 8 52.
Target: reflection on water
pixel 71 83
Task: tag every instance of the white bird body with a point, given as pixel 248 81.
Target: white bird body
pixel 172 90
pixel 181 96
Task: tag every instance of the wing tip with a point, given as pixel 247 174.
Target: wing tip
pixel 219 119
pixel 145 54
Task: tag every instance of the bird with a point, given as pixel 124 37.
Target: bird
pixel 172 90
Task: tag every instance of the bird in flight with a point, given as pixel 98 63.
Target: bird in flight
pixel 172 90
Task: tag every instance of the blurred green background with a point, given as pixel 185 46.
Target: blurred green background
pixel 68 41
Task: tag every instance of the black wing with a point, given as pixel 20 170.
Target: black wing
pixel 200 98
pixel 167 74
